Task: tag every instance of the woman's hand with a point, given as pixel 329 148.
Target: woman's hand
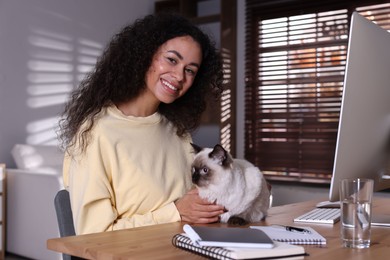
pixel 194 209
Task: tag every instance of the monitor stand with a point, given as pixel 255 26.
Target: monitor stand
pixel 328 204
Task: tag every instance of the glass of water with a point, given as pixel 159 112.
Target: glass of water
pixel 356 198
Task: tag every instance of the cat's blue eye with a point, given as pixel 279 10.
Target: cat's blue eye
pixel 205 170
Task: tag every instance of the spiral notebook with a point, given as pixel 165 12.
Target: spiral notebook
pixel 277 234
pixel 280 250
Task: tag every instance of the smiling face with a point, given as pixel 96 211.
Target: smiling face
pixel 173 69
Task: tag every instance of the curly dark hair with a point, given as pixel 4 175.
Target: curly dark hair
pixel 119 76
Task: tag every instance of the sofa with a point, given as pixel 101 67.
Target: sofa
pixel 31 188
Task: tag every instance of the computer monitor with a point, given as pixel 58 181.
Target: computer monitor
pixel 362 148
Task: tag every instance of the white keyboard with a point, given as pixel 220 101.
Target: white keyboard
pixel 320 215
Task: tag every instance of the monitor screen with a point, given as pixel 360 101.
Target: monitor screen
pixel 362 148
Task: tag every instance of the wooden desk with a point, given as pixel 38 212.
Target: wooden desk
pixel 154 242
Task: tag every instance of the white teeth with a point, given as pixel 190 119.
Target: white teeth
pixel 169 85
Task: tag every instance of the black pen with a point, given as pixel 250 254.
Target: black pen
pixel 293 229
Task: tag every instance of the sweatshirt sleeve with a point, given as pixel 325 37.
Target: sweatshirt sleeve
pixel 164 214
pixel 93 199
pixel 91 195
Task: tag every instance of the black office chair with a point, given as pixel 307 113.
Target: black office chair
pixel 64 218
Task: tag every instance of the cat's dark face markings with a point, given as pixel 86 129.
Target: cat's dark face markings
pixel 201 174
pixel 206 161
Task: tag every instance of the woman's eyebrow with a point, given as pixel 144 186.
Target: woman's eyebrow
pixel 181 58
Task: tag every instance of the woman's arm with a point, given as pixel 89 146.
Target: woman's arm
pixel 194 209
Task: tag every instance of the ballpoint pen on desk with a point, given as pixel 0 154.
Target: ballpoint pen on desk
pixel 293 229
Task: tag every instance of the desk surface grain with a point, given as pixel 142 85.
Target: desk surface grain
pixel 154 242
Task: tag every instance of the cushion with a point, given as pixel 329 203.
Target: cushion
pixel 37 156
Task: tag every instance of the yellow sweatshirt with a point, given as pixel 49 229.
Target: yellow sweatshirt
pixel 132 171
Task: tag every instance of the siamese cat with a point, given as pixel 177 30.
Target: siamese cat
pixel 236 184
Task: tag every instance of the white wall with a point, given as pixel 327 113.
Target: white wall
pixel 45 46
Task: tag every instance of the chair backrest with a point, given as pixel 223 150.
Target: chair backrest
pixel 64 213
pixel 64 217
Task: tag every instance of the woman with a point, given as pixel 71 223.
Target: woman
pixel 127 128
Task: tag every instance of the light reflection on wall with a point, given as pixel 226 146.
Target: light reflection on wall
pixel 41 131
pixel 58 62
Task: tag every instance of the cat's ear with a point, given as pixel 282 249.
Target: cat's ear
pixel 220 154
pixel 197 148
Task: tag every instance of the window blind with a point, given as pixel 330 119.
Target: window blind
pixel 295 61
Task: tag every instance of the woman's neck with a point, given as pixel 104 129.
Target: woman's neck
pixel 139 107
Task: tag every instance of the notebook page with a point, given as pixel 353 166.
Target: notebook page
pixel 277 234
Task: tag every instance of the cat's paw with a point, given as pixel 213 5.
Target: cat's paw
pixel 237 221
